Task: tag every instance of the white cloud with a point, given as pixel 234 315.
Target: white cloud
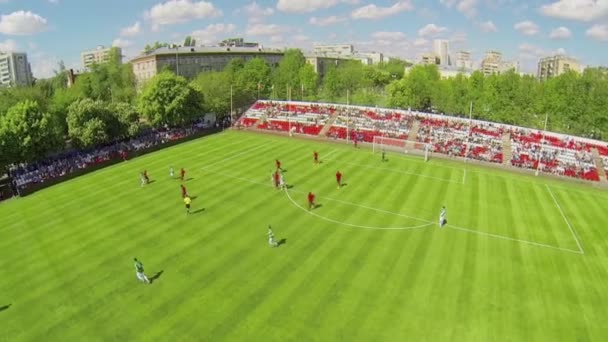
pixel 560 51
pixel 467 7
pixel 560 33
pixel 22 23
pixel 256 13
pixel 210 34
pixel 579 10
pixel 307 6
pixel 122 43
pixel 131 31
pixel 8 45
pixel 530 52
pixel 421 42
pixel 431 30
pixel 266 30
pixel 598 32
pixel 393 36
pixel 374 12
pixel 488 26
pixel 43 65
pixel 526 27
pixel 326 21
pixel 276 39
pixel 458 38
pixel 181 11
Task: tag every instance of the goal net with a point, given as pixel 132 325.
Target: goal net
pixel 381 144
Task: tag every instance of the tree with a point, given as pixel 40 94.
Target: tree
pixel 92 123
pixel 309 81
pixel 215 89
pixel 156 45
pixel 169 99
pixel 189 41
pixel 287 74
pixel 28 133
pixel 128 118
pixel 255 73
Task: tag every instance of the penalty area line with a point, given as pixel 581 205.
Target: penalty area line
pixel 565 219
pixel 501 237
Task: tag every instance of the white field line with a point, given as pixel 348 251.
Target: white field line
pixel 565 219
pixel 501 175
pixel 329 154
pixel 310 212
pixel 464 175
pixel 501 237
pixel 426 222
pixel 397 171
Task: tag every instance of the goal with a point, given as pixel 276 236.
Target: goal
pixel 402 146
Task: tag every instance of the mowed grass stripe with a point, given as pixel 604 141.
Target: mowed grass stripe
pixel 87 287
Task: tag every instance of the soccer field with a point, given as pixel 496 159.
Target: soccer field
pixel 522 258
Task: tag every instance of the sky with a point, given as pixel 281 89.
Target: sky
pixel 59 30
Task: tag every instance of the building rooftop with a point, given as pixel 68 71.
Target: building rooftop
pixel 207 49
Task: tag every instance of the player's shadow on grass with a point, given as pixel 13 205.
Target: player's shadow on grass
pixel 193 197
pixel 282 242
pixel 151 181
pixel 289 186
pixel 343 185
pixel 156 276
pixel 284 170
pixel 317 206
pixel 2 308
pixel 198 211
pixel 188 179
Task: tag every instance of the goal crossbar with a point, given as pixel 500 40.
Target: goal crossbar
pixel 381 144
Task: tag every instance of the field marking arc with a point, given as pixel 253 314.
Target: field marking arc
pixel 565 219
pixel 426 222
pixel 351 224
pixel 451 226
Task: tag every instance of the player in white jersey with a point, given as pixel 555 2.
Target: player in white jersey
pixel 139 271
pixel 282 181
pixel 171 172
pixel 442 217
pixel 271 241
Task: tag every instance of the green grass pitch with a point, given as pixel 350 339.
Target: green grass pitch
pixel 522 258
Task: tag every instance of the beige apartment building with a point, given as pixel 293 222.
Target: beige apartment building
pixel 493 63
pixel 556 65
pixel 190 61
pixel 15 70
pixel 99 55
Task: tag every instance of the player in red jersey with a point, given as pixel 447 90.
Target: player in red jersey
pixel 146 177
pixel 316 156
pixel 182 174
pixel 277 179
pixel 184 191
pixel 339 179
pixel 311 200
pixel 278 162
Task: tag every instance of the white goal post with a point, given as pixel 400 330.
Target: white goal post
pixel 402 146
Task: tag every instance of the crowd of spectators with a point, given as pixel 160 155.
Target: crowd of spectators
pixel 27 174
pixel 457 137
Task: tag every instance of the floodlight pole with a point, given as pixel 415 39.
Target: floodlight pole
pixel 347 116
pixel 231 106
pixel 542 143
